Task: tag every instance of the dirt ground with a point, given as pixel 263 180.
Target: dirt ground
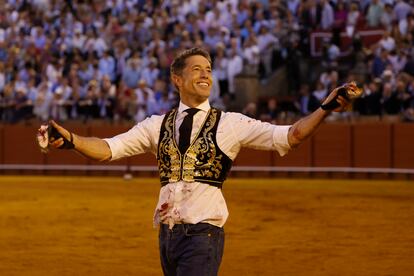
pixel 103 226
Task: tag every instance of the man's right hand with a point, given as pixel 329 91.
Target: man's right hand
pixel 60 138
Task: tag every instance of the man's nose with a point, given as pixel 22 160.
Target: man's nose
pixel 204 73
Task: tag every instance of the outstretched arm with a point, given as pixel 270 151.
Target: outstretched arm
pixel 307 126
pixel 90 147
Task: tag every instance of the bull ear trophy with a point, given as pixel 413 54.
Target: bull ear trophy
pixel 349 91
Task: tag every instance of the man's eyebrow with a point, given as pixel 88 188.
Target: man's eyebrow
pixel 198 65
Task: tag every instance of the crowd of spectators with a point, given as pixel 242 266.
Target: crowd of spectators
pixel 109 59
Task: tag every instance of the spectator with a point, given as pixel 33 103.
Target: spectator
pixel 235 66
pixel 387 17
pixel 42 102
pixel 106 66
pixel 379 63
pixel 307 102
pixel 106 101
pixel 271 112
pixel 267 43
pixel 401 10
pixel 387 42
pixel 132 73
pixel 145 101
pixel 327 16
pixel 150 74
pixel 353 16
pixel 374 13
pixel 220 68
pixel 250 110
pixel 251 55
pixel 391 105
pixel 320 91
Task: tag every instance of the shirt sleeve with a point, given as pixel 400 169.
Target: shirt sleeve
pixel 141 138
pixel 255 134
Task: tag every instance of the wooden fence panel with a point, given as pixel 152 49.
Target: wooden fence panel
pixel 403 145
pixel 19 145
pixel 372 145
pixel 332 146
pixel 299 157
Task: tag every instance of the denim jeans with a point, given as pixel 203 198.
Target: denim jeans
pixel 191 249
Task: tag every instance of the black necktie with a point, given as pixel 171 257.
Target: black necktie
pixel 185 129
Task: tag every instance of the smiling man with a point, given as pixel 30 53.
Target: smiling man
pixel 195 145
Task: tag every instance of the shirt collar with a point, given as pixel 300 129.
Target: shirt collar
pixel 205 106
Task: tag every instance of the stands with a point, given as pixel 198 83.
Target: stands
pixel 69 60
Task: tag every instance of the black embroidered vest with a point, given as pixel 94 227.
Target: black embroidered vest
pixel 202 162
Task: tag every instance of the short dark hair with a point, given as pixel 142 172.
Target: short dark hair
pixel 179 61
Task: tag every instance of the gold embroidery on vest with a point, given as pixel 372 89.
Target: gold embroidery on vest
pixel 200 159
pixel 169 168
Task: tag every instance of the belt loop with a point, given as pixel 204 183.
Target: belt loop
pixel 185 228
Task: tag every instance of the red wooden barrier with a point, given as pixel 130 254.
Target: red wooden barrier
pixel 332 146
pixel 301 156
pixel 372 145
pixel 19 144
pixel 1 145
pixel 403 145
pixel 378 145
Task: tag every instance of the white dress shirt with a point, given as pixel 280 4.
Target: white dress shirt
pixel 194 202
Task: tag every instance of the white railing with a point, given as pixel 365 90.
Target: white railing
pixel 126 168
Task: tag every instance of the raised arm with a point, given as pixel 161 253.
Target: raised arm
pixel 90 147
pixel 307 126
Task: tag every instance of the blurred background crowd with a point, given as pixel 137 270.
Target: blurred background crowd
pixel 109 59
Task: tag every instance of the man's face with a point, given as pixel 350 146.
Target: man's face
pixel 195 81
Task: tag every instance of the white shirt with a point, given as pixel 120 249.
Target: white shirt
pixel 194 202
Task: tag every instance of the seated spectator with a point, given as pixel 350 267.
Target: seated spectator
pixel 132 73
pixel 250 110
pixel 380 63
pixel 387 42
pixel 320 92
pixel 391 105
pixel 88 107
pixel 150 73
pixel 271 112
pixel 370 103
pixel 145 101
pixel 307 102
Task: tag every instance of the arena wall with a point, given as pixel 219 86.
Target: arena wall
pixel 353 147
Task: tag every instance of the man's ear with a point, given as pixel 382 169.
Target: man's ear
pixel 176 80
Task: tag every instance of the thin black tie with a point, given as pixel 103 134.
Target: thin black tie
pixel 185 129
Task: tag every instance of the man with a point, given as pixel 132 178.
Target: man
pixel 191 210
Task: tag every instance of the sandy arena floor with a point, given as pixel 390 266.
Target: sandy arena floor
pixel 103 226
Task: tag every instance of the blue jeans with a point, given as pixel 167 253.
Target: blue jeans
pixel 191 249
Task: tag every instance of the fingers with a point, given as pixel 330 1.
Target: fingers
pixel 344 104
pixel 55 125
pixel 64 132
pixel 56 143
